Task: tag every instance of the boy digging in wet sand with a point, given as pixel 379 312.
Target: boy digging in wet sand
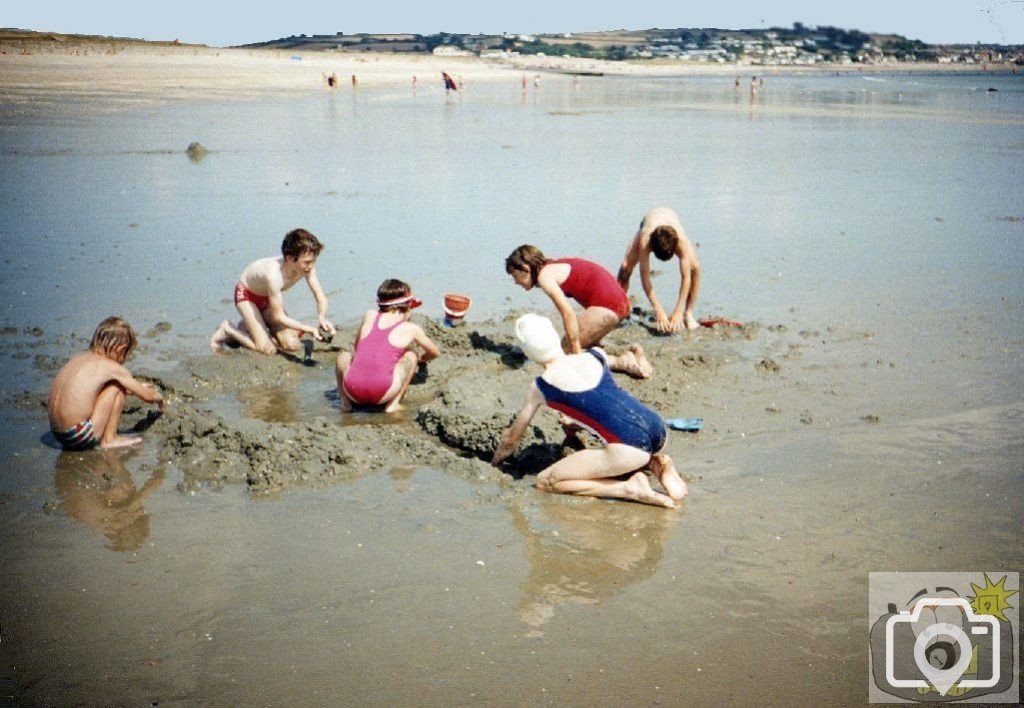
pixel 88 394
pixel 661 233
pixel 258 299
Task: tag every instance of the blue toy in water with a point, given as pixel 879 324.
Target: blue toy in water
pixel 689 425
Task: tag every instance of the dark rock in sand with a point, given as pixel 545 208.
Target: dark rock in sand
pixel 157 329
pixel 196 151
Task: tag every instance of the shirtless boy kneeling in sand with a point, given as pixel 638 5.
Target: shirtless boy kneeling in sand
pixel 265 326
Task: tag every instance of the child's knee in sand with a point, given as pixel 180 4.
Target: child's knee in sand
pixel 288 340
pixel 407 366
pixel 595 324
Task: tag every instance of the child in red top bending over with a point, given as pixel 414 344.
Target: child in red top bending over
pixel 605 302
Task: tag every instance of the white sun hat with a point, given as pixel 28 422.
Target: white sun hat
pixel 538 338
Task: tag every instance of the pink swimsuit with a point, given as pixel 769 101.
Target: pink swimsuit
pixel 373 366
pixel 592 286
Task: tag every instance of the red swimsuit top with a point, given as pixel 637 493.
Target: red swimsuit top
pixel 592 286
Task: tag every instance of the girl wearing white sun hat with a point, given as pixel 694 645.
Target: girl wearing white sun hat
pixel 580 386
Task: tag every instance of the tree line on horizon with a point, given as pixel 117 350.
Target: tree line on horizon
pixel 829 41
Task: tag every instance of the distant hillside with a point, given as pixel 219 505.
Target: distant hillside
pixel 798 44
pixel 14 36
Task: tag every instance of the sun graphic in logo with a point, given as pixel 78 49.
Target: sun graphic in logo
pixel 991 599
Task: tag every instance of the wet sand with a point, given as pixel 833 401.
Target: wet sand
pixel 260 546
pixel 388 562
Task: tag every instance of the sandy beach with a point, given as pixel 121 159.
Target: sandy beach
pixel 144 72
pixel 262 547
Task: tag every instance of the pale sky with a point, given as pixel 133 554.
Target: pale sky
pixel 231 22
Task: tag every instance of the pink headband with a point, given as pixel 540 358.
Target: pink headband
pixel 412 302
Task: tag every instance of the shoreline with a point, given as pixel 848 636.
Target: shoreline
pixel 195 69
pixel 163 74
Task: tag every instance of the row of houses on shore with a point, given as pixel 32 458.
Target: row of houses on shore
pixel 771 50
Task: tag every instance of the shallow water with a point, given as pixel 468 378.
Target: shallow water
pixel 885 207
pixel 854 185
pixel 890 203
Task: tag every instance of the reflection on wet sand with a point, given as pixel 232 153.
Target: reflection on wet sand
pixel 277 404
pixel 97 489
pixel 401 478
pixel 585 552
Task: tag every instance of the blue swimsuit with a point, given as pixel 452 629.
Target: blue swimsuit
pixel 609 411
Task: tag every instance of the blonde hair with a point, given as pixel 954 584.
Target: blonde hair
pixel 112 334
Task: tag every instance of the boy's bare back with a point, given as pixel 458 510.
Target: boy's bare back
pixel 77 386
pixel 655 218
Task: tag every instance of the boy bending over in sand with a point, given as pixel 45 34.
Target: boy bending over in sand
pixel 386 352
pixel 88 394
pixel 258 299
pixel 581 387
pixel 605 302
pixel 661 234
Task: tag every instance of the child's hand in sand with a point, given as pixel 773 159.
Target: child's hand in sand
pixel 665 325
pixel 675 323
pixel 154 395
pixel 327 330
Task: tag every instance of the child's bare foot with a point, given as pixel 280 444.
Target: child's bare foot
pixel 121 441
pixel 220 337
pixel 691 321
pixel 639 489
pixel 394 406
pixel 634 362
pixel 665 470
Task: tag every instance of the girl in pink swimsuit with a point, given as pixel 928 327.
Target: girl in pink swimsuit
pixel 388 348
